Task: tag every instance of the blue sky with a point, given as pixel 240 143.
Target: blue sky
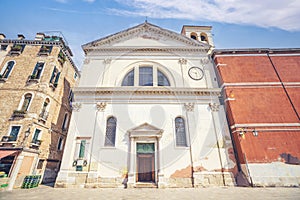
pixel 236 23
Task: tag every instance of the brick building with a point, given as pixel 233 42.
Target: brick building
pixel 262 99
pixel 36 77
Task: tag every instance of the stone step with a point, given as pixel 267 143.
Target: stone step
pixel 145 185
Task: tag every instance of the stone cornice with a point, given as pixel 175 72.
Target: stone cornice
pixel 147 91
pixel 67 51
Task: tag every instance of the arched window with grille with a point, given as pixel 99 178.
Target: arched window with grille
pixel 180 132
pixel 110 135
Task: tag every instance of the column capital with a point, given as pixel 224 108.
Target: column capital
pixel 189 107
pixel 214 107
pixel 101 106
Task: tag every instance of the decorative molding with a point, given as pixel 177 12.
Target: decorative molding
pixel 101 106
pixel 86 61
pixel 204 61
pixel 182 61
pixel 148 91
pixel 76 107
pixel 214 107
pixel 107 61
pixel 189 107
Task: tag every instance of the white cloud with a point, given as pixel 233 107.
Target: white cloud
pixel 264 13
pixel 62 1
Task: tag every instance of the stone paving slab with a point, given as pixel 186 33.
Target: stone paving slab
pixel 223 193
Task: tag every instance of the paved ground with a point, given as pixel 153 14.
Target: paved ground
pixel 46 192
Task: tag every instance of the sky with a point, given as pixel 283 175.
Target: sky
pixel 236 23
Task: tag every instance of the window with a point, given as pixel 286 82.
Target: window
pixel 147 76
pixel 40 164
pixel 110 135
pixel 65 122
pixel 14 131
pixel 162 79
pixel 45 50
pixel 82 149
pixel 60 143
pixel 26 102
pixel 55 77
pixel 203 37
pixel 71 96
pixel 44 112
pixel 129 79
pixel 7 69
pixel 180 132
pixel 36 136
pixel 3 47
pixel 194 36
pixel 36 74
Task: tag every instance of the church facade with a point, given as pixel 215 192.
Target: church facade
pixel 147 112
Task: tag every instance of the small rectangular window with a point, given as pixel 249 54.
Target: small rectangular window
pixel 3 47
pixel 40 164
pixel 36 136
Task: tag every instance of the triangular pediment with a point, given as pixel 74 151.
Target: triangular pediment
pixel 146 35
pixel 145 130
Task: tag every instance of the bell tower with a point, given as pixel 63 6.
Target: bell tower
pixel 200 33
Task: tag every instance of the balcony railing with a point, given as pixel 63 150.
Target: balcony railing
pixel 44 115
pixel 16 49
pixel 32 79
pixel 8 138
pixel 45 51
pixel 19 113
pixel 36 142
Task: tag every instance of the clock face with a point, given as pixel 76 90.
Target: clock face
pixel 196 73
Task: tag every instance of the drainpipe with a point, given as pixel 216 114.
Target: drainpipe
pixel 94 131
pixel 215 108
pixel 190 141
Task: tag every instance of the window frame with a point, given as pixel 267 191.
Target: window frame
pixel 10 130
pixel 177 144
pixel 22 102
pixel 5 67
pixel 110 142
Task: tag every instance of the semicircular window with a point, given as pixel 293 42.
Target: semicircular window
pixel 128 79
pixel 146 76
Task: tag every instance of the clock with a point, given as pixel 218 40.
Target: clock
pixel 196 73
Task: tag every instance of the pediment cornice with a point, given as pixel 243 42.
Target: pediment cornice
pixel 145 31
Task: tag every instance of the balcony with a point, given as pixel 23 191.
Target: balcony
pixel 16 50
pixel 36 143
pixel 8 138
pixel 2 79
pixel 45 51
pixel 43 116
pixel 32 79
pixel 61 58
pixel 19 113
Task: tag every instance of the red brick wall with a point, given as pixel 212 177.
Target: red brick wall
pixel 264 101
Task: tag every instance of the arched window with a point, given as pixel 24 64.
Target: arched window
pixel 194 36
pixel 146 77
pixel 44 112
pixel 110 135
pixel 203 37
pixel 180 132
pixel 162 80
pixel 5 72
pixel 128 79
pixel 26 102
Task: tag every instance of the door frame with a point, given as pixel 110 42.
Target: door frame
pixel 153 162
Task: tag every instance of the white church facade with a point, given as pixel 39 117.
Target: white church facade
pixel 147 108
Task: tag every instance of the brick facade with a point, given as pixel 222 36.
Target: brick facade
pixel 43 151
pixel 261 93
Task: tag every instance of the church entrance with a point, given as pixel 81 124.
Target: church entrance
pixel 145 162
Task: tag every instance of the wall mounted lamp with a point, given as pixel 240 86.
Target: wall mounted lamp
pixel 243 131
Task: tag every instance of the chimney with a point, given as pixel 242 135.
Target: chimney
pixel 21 37
pixel 39 36
pixel 2 36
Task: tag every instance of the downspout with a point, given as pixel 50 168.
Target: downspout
pixel 214 108
pixel 190 146
pixel 94 131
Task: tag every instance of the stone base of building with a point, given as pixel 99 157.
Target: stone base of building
pixel 276 174
pixel 91 180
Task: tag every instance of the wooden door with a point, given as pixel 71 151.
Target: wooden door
pixel 146 167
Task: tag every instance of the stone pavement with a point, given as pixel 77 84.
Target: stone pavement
pixel 46 192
